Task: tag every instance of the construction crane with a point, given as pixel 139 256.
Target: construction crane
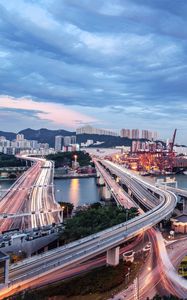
pixel 173 140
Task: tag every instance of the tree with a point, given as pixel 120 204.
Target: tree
pixel 67 208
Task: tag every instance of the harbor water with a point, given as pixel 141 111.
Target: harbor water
pixel 80 191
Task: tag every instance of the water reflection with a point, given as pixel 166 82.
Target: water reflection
pixel 77 191
pixel 74 192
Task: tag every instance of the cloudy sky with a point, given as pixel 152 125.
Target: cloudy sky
pixel 109 63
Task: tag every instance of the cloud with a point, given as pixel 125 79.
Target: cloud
pixel 55 113
pixel 127 56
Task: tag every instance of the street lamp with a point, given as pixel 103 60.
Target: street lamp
pixel 127 276
pixel 62 214
pixel 138 283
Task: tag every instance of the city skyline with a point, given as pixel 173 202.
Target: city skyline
pixel 111 64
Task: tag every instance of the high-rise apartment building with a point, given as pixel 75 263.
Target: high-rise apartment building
pixel 125 133
pixel 66 140
pixel 149 135
pixel 146 134
pixel 91 130
pixel 135 134
pixel 58 143
pixel 69 140
pixel 73 139
pixel 19 137
pixel 155 136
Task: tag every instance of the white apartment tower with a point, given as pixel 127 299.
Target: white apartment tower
pixel 58 143
pixel 125 133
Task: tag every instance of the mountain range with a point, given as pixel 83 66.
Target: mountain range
pixel 44 135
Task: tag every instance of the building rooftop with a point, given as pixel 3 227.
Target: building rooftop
pixel 182 218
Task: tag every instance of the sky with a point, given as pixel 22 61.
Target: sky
pixel 109 63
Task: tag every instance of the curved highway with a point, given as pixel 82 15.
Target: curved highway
pixel 83 249
pixel 30 201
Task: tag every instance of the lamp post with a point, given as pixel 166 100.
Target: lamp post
pixel 62 214
pixel 127 276
pixel 138 283
pixel 126 217
pixel 75 158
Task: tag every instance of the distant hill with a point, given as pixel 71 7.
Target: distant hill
pixel 109 141
pixel 9 135
pixel 44 135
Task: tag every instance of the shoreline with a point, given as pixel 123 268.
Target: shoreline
pixel 7 179
pixel 75 176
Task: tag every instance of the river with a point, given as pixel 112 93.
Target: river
pixel 82 191
pixel 77 191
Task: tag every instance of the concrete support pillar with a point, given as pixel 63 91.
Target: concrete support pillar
pixel 98 174
pixel 61 216
pixel 106 193
pixel 100 181
pixel 46 248
pixel 113 257
pixel 129 192
pixel 6 271
pixel 184 205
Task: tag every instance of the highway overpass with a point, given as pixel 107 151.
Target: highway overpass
pixel 106 241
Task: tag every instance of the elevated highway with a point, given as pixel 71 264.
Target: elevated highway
pixel 146 194
pixel 28 214
pixel 71 254
pixel 177 191
pixel 116 191
pixel 16 199
pixel 32 192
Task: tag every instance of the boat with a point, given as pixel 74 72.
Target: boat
pixel 185 172
pixel 155 172
pixel 169 173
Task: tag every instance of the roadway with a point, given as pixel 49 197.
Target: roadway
pixel 121 197
pixel 16 198
pixel 41 199
pixel 164 274
pixel 139 188
pixel 58 275
pixel 30 202
pixel 74 253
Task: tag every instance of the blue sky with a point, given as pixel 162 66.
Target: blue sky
pixel 111 63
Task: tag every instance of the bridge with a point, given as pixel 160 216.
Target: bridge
pixel 177 191
pixel 33 192
pixel 161 203
pixel 13 169
pixel 29 214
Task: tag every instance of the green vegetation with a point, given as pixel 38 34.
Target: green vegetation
pixel 67 208
pixel 62 159
pixel 95 219
pixel 10 161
